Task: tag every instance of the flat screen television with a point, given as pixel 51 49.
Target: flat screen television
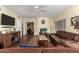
pixel 7 20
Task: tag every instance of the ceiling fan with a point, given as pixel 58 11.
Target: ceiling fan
pixel 39 9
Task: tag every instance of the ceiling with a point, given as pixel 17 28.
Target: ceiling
pixel 37 10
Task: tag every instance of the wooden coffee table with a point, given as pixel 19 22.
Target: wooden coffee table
pixel 42 41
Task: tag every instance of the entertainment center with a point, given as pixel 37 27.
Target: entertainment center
pixel 8 39
pixel 8 35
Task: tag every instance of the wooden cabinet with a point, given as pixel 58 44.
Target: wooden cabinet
pixel 6 39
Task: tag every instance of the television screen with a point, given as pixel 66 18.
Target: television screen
pixel 7 20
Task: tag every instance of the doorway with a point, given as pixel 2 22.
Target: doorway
pixel 31 26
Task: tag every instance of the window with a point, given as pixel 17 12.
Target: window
pixel 60 25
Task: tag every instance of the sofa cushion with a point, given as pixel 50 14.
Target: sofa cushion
pixel 66 35
pixel 56 38
pixel 72 45
pixel 60 34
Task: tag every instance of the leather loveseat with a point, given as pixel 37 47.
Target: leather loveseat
pixel 66 39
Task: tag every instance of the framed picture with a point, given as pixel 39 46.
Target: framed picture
pixel 74 20
pixel 43 21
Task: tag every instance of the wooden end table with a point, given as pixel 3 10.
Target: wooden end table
pixel 42 41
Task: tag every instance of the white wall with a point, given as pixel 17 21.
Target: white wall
pixel 67 14
pixel 49 24
pixel 18 25
pixel 52 25
pixel 8 12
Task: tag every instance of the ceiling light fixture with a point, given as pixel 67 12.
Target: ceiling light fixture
pixel 36 7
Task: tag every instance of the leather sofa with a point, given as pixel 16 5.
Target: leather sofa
pixel 40 50
pixel 60 50
pixel 64 38
pixel 20 50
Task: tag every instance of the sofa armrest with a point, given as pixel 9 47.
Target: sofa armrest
pixel 52 33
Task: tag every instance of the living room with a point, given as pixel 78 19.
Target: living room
pixel 50 24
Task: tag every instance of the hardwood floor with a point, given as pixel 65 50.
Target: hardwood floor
pixel 30 41
pixel 33 41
